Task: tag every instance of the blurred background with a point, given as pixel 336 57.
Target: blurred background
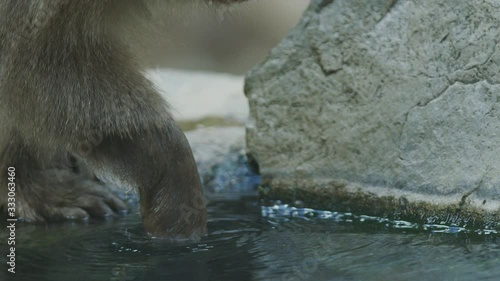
pixel 229 41
pixel 199 67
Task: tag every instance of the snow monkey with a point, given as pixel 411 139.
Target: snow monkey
pixel 74 105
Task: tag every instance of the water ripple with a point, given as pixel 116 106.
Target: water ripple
pixel 282 212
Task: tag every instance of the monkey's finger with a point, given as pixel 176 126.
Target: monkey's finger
pixel 117 205
pixel 95 206
pixel 68 213
pixel 109 198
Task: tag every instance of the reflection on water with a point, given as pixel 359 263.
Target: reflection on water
pixel 247 242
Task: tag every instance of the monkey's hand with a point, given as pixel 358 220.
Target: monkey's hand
pixel 61 193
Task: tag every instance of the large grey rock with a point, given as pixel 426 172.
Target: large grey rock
pixel 387 99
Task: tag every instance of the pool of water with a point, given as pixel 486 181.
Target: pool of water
pixel 250 242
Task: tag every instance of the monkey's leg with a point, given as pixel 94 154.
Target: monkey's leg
pixel 53 186
pixel 78 79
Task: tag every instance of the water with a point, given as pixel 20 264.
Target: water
pixel 247 242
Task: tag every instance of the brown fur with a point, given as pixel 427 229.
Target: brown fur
pixel 73 101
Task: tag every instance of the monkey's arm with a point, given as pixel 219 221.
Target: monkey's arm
pixel 135 140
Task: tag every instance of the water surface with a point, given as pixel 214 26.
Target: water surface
pixel 247 242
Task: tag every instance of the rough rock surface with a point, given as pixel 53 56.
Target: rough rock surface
pixel 391 102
